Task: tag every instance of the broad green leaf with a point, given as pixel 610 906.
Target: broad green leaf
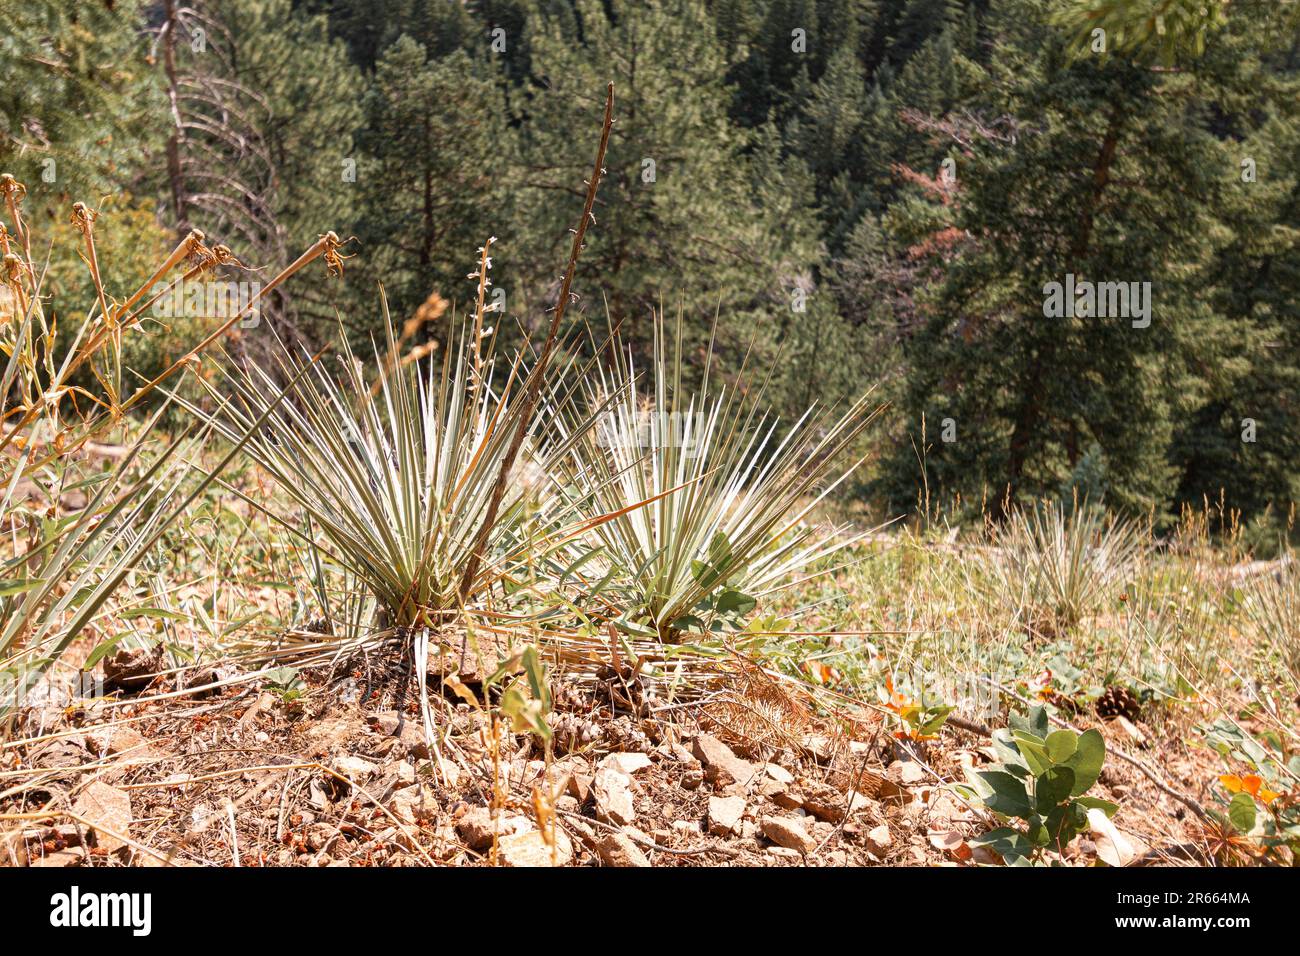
pixel 1034 752
pixel 731 601
pixel 1241 812
pixel 1009 796
pixel 1096 803
pixel 1035 723
pixel 1007 843
pixel 1052 787
pixel 1061 745
pixel 1087 760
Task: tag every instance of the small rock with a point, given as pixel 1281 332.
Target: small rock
pixel 580 785
pixel 530 849
pixel 475 827
pixel 909 771
pixel 832 806
pixel 355 769
pixel 722 767
pixel 58 858
pixel 111 741
pixel 107 806
pixel 618 849
pixel 558 780
pixel 788 799
pixel 878 840
pixel 682 755
pixel 629 763
pixel 692 779
pixel 326 736
pixel 725 814
pixel 567 803
pixel 778 773
pixel 132 669
pixel 408 805
pixel 613 791
pixel 785 852
pixel 788 833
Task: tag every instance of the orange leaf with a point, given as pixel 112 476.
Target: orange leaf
pixel 1251 784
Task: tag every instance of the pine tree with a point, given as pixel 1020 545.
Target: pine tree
pixel 681 219
pixel 1105 179
pixel 435 176
pixel 919 22
pixel 787 52
pixel 371 27
pixel 827 135
pixel 79 102
pixel 1239 449
pixel 259 156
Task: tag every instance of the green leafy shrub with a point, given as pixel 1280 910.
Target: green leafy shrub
pixel 1041 780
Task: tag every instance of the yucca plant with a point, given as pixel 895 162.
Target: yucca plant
pixel 1053 566
pixel 699 503
pixel 53 588
pixel 410 474
pixel 394 462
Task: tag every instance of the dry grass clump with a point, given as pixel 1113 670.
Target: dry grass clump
pixel 1058 564
pixel 63 386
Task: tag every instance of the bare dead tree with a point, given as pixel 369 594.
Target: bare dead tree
pixel 221 174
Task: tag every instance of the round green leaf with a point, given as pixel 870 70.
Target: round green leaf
pixel 1061 745
pixel 1086 762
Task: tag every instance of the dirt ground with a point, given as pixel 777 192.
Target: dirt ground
pixel 340 777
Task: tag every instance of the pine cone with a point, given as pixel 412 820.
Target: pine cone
pixel 1118 701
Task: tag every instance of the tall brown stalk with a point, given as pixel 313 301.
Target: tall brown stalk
pixel 533 384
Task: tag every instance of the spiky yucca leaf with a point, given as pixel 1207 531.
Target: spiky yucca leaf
pixel 52 590
pixel 726 495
